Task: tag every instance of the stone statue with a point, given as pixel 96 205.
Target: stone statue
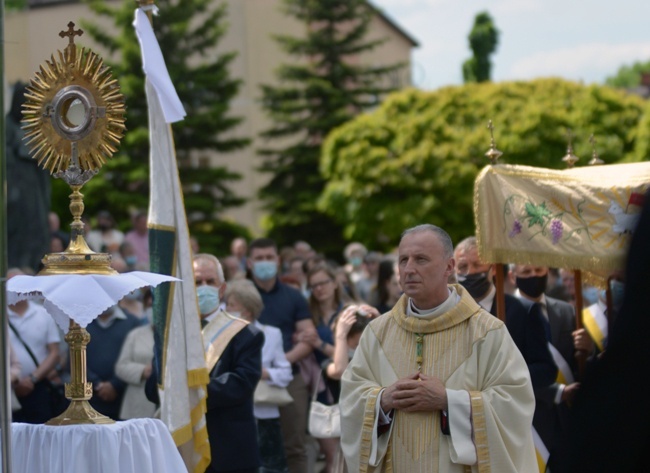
pixel 28 194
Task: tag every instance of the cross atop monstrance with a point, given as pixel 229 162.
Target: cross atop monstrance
pixel 71 33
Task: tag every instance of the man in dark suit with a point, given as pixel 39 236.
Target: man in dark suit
pixel 523 320
pixel 559 321
pixel 231 425
pixel 234 360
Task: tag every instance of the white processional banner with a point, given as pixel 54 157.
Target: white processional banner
pixel 179 347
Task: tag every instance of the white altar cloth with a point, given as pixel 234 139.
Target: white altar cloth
pixel 133 446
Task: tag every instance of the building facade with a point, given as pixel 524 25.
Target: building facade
pixel 31 37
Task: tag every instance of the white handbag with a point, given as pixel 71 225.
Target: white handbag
pixel 272 395
pixel 324 421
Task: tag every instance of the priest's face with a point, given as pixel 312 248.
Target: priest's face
pixel 424 269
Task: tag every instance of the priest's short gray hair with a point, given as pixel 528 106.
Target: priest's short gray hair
pixel 442 235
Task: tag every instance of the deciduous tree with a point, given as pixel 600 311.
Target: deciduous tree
pixel 414 160
pixel 629 76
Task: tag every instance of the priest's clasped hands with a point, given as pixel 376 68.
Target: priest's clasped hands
pixel 417 392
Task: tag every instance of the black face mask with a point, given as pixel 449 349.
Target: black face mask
pixel 533 286
pixel 476 284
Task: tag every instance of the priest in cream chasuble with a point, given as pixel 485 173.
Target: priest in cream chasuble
pixel 487 403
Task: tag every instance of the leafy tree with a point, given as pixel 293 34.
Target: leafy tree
pixel 323 88
pixel 204 86
pixel 629 76
pixel 483 41
pixel 642 137
pixel 415 159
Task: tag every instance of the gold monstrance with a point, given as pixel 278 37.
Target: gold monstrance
pixel 74 120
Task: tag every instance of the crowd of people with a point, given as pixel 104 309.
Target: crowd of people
pixel 296 321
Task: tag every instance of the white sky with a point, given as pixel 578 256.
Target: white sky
pixel 582 40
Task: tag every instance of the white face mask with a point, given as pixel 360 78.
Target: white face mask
pixel 351 352
pixel 235 314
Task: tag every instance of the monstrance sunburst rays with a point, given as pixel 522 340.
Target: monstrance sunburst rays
pixel 78 75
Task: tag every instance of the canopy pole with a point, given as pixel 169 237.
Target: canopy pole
pixel 577 284
pixel 493 154
pixel 500 296
pixel 610 304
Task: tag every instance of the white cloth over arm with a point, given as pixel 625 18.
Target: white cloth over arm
pixel 461 444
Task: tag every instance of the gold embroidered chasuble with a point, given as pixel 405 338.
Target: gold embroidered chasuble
pixel 469 350
pixel 217 335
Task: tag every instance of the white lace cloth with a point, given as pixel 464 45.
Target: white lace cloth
pixel 80 297
pixel 132 446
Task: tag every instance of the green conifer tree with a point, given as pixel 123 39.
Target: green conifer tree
pixel 483 41
pixel 205 88
pixel 323 87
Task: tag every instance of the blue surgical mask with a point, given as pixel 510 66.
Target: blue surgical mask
pixel 355 261
pixel 131 260
pixel 265 270
pixel 208 299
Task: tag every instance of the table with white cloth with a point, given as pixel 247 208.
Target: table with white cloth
pixel 133 446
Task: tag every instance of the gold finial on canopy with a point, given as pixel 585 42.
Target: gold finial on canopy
pixel 595 160
pixel 570 159
pixel 493 154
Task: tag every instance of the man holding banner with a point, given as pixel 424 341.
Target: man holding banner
pixel 233 352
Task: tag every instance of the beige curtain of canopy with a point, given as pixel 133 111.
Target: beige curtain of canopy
pixel 580 218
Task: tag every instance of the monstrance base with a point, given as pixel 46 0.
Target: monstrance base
pixel 80 412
